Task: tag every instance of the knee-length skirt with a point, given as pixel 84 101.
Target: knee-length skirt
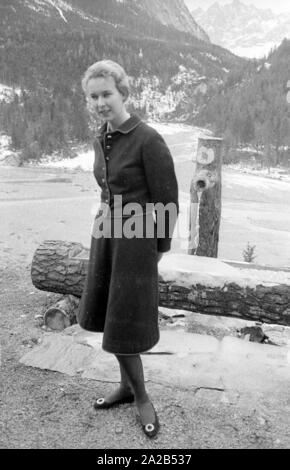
pixel 120 296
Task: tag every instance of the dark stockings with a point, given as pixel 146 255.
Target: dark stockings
pixel 132 376
pixel 123 391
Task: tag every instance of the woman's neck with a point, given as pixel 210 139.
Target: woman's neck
pixel 113 125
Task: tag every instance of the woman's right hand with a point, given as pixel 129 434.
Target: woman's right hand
pixel 159 256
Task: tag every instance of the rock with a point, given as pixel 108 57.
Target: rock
pixel 254 333
pixel 183 360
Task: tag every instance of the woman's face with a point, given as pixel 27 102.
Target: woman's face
pixel 106 99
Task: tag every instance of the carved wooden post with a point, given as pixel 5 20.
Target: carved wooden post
pixel 205 198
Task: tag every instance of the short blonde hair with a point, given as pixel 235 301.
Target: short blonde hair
pixel 108 68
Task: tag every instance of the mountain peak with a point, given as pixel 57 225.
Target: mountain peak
pixel 243 28
pixel 172 13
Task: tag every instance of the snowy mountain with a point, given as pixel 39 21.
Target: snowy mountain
pixel 157 41
pixel 46 45
pixel 172 13
pixel 116 13
pixel 244 29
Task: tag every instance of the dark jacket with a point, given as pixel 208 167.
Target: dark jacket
pixel 135 162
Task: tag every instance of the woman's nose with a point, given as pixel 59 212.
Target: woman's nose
pixel 100 101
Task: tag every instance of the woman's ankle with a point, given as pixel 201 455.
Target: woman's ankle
pixel 126 388
pixel 142 399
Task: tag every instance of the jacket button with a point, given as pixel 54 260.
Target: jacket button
pixel 103 180
pixel 107 158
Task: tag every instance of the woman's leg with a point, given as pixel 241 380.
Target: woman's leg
pixel 123 391
pixel 133 368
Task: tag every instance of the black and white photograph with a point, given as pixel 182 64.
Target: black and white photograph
pixel 144 227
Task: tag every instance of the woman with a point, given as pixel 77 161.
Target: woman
pixel 132 166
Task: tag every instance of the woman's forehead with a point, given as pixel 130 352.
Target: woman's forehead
pixel 101 84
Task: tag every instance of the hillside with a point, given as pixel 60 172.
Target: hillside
pixel 252 107
pixel 47 45
pixel 149 18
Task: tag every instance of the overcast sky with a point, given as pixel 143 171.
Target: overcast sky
pixel 277 6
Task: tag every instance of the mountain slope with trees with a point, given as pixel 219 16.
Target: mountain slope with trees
pixel 251 107
pixel 45 52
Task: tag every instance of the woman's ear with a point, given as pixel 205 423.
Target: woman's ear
pixel 125 97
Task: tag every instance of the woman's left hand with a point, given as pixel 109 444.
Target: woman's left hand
pixel 159 256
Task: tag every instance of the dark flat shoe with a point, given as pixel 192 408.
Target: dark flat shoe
pixel 151 429
pixel 102 404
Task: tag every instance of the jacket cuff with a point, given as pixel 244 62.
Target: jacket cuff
pixel 163 245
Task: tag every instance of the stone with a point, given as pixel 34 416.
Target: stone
pixel 180 359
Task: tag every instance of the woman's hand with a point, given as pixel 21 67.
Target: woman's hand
pixel 159 256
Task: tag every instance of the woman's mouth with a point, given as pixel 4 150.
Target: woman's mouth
pixel 104 111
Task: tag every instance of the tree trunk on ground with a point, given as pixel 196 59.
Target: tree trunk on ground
pixel 62 314
pixel 61 267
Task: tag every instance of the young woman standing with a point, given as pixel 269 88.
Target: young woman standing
pixel 133 165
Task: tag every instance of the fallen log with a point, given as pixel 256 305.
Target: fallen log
pixel 62 314
pixel 196 284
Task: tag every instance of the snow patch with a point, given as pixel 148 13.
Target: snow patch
pixel 5 142
pixel 171 129
pixel 84 161
pixel 58 9
pixel 189 271
pixel 8 93
pixel 210 56
pixel 258 50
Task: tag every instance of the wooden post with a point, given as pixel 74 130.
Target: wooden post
pixel 205 198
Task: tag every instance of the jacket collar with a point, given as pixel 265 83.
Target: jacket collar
pixel 125 128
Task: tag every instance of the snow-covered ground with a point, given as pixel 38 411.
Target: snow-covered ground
pixel 182 149
pixel 7 93
pixel 4 146
pixel 192 270
pixel 255 204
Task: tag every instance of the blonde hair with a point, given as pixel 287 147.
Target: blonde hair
pixel 108 68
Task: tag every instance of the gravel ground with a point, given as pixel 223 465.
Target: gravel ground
pixel 43 409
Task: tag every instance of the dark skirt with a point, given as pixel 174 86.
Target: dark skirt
pixel 120 296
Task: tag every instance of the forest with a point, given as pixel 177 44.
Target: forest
pixel 252 108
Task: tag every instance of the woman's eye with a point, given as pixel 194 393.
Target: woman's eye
pixel 94 97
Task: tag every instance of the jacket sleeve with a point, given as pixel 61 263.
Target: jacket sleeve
pixel 163 187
